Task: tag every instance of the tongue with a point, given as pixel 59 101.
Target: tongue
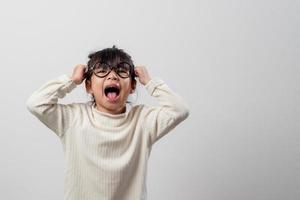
pixel 112 96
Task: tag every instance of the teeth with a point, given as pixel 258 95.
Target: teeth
pixel 113 85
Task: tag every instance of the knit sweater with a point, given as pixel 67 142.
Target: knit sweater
pixel 106 155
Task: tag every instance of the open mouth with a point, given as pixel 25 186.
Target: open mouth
pixel 112 92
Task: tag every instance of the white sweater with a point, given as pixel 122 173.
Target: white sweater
pixel 106 155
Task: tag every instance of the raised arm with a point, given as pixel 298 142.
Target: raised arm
pixel 43 102
pixel 172 109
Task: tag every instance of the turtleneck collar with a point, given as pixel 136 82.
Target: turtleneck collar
pixel 108 119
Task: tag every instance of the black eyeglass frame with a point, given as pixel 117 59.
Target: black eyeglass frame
pixel 131 70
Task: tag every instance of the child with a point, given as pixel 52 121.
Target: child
pixel 107 146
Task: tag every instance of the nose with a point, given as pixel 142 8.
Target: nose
pixel 112 75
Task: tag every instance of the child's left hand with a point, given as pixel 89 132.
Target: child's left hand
pixel 142 74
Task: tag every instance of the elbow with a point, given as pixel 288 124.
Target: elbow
pixel 182 112
pixel 185 112
pixel 30 105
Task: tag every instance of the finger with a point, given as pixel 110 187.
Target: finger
pixel 136 72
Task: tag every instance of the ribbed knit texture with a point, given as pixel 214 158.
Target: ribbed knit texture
pixel 106 155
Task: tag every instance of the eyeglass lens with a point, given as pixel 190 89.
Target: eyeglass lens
pixel 103 69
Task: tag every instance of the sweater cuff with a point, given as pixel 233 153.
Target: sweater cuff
pixel 153 83
pixel 69 83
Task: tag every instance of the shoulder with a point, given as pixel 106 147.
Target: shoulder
pixel 139 108
pixel 142 110
pixel 85 106
pixel 77 108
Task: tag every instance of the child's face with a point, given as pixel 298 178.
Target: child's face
pixel 112 105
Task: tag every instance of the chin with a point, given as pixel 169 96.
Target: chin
pixel 118 104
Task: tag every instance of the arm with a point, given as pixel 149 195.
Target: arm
pixel 171 111
pixel 43 104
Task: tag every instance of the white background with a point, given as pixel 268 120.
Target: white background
pixel 235 62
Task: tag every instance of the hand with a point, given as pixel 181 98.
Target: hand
pixel 142 74
pixel 79 73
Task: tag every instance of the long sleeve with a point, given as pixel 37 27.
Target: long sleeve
pixel 172 109
pixel 43 104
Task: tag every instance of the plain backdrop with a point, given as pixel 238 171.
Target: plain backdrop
pixel 235 62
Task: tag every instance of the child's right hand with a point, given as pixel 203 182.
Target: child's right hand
pixel 79 73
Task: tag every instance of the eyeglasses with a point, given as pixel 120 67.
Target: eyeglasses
pixel 123 69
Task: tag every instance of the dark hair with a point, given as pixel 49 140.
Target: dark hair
pixel 111 56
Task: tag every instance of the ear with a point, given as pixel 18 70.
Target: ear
pixel 133 87
pixel 88 87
